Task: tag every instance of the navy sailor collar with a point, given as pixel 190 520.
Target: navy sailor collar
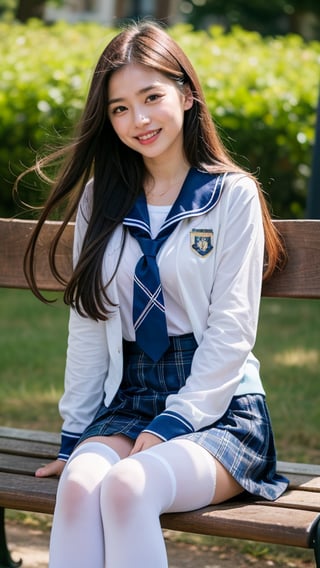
pixel 199 194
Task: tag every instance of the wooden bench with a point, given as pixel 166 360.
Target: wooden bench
pixel 294 519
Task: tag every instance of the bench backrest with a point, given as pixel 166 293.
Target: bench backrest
pixel 299 279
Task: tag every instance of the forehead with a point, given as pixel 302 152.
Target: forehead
pixel 137 77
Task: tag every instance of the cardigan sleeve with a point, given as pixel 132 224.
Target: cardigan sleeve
pixel 87 358
pixel 85 373
pixel 220 362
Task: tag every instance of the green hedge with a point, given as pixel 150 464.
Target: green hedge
pixel 261 92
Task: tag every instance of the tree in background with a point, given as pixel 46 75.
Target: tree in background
pixel 23 10
pixel 267 17
pixel 26 9
pixel 135 8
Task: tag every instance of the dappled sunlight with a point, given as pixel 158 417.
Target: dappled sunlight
pixel 35 398
pixel 298 358
pixel 39 410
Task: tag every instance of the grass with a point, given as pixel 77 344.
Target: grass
pixel 288 346
pixel 33 341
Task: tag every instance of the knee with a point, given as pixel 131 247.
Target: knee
pixel 72 495
pixel 122 489
pixel 79 486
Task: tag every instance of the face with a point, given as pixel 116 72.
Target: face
pixel 146 110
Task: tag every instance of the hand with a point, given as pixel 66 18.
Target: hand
pixel 50 469
pixel 144 441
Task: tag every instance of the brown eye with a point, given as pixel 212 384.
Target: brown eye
pixel 118 109
pixel 153 97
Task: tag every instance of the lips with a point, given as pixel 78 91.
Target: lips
pixel 148 135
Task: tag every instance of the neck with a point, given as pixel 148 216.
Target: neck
pixel 163 184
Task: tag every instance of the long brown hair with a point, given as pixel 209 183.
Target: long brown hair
pixel 118 171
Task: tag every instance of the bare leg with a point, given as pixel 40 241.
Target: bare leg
pixel 226 487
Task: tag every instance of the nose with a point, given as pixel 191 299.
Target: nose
pixel 142 119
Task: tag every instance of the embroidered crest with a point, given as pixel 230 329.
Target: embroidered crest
pixel 202 241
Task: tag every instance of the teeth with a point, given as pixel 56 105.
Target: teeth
pixel 147 136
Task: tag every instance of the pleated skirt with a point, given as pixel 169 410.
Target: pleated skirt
pixel 241 440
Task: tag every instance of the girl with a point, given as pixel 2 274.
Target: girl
pixel 163 408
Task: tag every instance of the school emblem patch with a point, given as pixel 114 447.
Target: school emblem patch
pixel 202 241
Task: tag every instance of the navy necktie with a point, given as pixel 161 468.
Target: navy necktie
pixel 200 193
pixel 148 305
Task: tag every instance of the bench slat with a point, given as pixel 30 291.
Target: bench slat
pixel 23 434
pixel 276 525
pixel 28 448
pixel 17 464
pixel 304 482
pixel 28 464
pixel 300 279
pixel 297 499
pixel 299 468
pixel 14 236
pixel 28 493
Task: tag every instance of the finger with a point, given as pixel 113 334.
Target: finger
pixel 134 450
pixel 50 469
pixel 138 447
pixel 44 471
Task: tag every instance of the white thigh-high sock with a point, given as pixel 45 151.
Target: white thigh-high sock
pixel 77 539
pixel 174 476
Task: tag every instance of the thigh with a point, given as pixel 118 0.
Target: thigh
pixel 121 444
pixel 226 486
pixel 195 469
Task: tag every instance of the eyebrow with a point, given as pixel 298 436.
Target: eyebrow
pixel 140 92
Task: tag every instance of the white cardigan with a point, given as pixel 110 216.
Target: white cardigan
pixel 221 293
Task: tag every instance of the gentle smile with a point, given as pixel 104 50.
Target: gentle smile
pixel 149 135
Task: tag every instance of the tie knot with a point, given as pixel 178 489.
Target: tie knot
pixel 150 247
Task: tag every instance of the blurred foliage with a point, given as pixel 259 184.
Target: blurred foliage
pixel 7 7
pixel 262 93
pixel 272 17
pixel 44 76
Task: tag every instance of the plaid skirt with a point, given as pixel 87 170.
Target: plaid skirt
pixel 241 440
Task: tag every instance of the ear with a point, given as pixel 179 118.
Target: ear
pixel 188 97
